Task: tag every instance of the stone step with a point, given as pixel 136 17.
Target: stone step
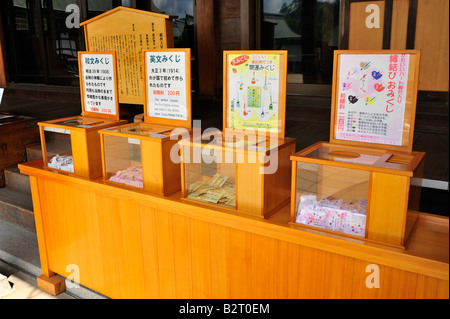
pixel 17 207
pixel 17 181
pixel 34 152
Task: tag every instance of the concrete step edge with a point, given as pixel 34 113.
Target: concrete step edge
pixel 16 180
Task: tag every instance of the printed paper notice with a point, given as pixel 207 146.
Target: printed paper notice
pixel 253 85
pixel 166 84
pixel 371 98
pixel 99 83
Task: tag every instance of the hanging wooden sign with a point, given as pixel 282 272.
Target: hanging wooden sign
pixel 128 32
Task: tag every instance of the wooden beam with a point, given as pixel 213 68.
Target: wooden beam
pixel 206 47
pixel 3 74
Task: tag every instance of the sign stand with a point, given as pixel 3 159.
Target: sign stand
pixel 367 171
pixel 246 167
pixel 72 144
pixel 255 90
pixel 144 149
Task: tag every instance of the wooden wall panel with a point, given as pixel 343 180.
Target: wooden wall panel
pixel 390 211
pixel 399 27
pixel 201 257
pixel 206 46
pixel 149 252
pixel 311 269
pixel 221 255
pixel 164 243
pixel 359 287
pixel 240 272
pixel 402 284
pixel 262 267
pixel 432 38
pixel 281 277
pixel 182 257
pixel 361 37
pixel 2 56
pixel 132 245
pixel 431 288
pixel 339 270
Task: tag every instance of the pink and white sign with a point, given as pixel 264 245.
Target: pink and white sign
pixel 371 98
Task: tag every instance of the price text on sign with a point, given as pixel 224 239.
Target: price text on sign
pixel 166 84
pixel 99 83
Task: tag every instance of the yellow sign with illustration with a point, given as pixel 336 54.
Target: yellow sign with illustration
pixel 253 91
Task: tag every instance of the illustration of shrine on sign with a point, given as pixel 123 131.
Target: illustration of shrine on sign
pixel 138 30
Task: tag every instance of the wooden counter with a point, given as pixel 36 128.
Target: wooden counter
pixel 131 244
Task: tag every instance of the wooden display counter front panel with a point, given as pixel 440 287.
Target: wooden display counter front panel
pixel 127 244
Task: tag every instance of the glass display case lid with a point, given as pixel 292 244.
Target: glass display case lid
pixel 361 158
pixel 239 143
pixel 145 130
pixel 81 123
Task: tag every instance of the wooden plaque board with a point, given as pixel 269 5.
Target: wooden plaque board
pixel 374 97
pixel 167 87
pixel 254 90
pixel 98 85
pixel 128 32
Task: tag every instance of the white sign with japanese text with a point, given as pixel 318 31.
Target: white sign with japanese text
pixel 166 84
pixel 371 98
pixel 99 83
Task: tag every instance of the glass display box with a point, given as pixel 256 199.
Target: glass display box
pixel 144 155
pixel 364 183
pixel 138 156
pixel 356 191
pixel 72 145
pixel 247 176
pixel 245 167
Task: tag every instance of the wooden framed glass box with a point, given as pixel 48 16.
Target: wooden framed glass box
pixel 239 174
pixel 366 181
pixel 246 166
pixel 138 155
pixel 144 155
pixel 356 191
pixel 72 144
